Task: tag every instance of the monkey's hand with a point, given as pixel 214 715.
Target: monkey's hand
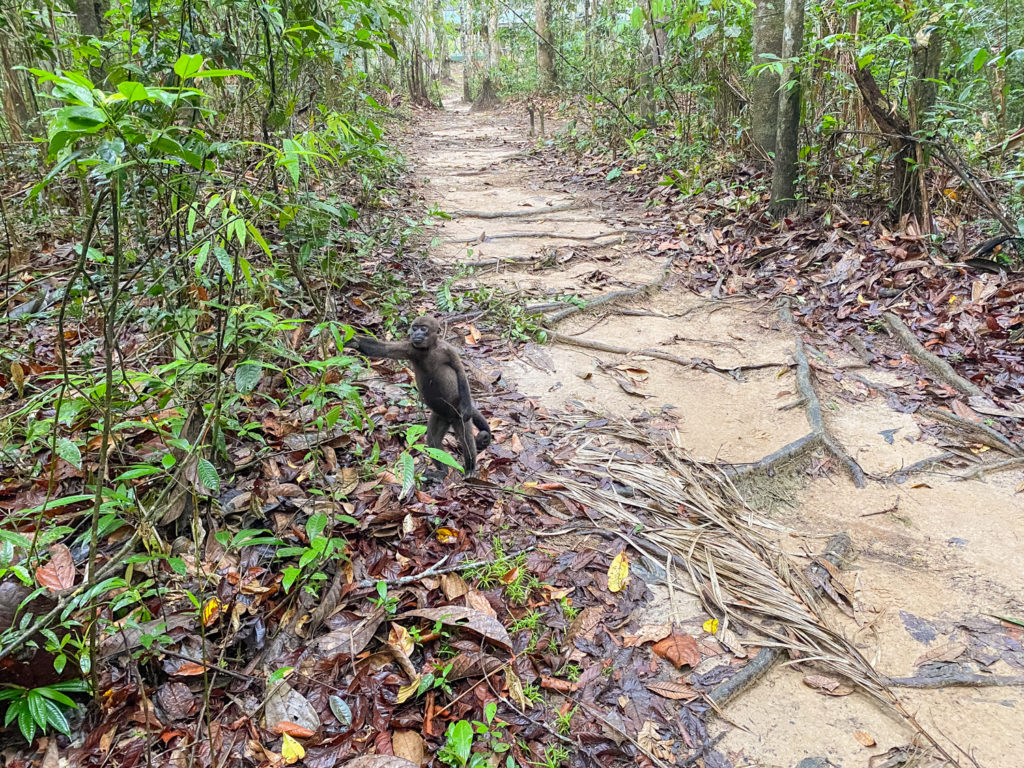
pixel 356 343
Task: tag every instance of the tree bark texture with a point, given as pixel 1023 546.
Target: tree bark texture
pixel 787 138
pixel 545 51
pixel 764 97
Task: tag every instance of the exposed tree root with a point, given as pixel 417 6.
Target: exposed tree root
pixel 546 235
pixel 814 418
pixel 936 366
pixel 984 433
pixel 996 466
pixel 837 549
pixel 515 214
pixel 610 297
pixel 958 676
pixel 785 454
pixel 687 362
pixel 900 475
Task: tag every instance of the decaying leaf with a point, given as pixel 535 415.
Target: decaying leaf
pixel 618 572
pixel 864 738
pixel 465 618
pixel 409 745
pixel 59 572
pixel 948 652
pixel 515 689
pixel 679 649
pixel 673 690
pixel 827 685
pixel 649 633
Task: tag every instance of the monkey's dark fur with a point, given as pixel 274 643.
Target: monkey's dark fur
pixel 442 383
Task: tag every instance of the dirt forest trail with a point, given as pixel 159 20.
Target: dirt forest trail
pixel 933 557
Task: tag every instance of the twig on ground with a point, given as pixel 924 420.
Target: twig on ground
pixel 935 365
pixel 923 465
pixel 955 677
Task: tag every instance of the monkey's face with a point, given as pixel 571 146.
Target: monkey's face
pixel 423 332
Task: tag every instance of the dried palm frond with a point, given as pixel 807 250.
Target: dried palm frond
pixel 691 512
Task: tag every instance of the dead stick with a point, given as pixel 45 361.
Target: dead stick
pixel 938 367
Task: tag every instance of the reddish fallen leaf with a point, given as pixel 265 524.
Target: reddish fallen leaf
pixel 555 684
pixel 827 685
pixel 293 729
pixel 679 649
pixel 189 669
pixel 59 573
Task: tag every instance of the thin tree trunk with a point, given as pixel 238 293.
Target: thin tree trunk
pixel 787 138
pixel 764 97
pixel 466 22
pixel 493 45
pixel 545 51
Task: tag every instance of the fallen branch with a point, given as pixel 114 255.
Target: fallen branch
pixel 686 362
pixel 836 551
pixel 984 433
pixel 938 367
pixel 900 475
pixel 514 214
pixel 546 235
pixel 609 297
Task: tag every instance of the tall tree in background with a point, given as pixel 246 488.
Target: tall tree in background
pixel 764 97
pixel 787 138
pixel 545 51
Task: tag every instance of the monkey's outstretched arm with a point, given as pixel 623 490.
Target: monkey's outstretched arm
pixel 395 350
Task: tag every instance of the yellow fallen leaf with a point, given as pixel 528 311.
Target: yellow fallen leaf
pixel 18 377
pixel 407 691
pixel 211 611
pixel 618 572
pixel 291 750
pixel 711 626
pixel 447 536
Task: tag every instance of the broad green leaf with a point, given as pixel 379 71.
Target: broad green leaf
pixel 406 473
pixel 223 73
pixel 247 376
pixel 443 456
pixel 208 476
pixel 613 174
pixel 133 91
pixel 68 451
pixel 315 525
pixel 188 65
pixel 226 263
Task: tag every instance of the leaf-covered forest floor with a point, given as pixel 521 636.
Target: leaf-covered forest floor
pixel 711 412
pixel 935 556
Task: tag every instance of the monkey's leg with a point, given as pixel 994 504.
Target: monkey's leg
pixel 483 438
pixel 465 435
pixel 437 428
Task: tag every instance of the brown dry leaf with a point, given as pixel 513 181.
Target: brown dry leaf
pixel 864 738
pixel 515 689
pixel 478 602
pixel 948 652
pixel 827 685
pixel 650 740
pixel 453 586
pixel 965 412
pixel 176 699
pixel 465 618
pixel 649 633
pixel 679 649
pixel 59 573
pixel 673 690
pixel 189 669
pixel 618 572
pixel 349 480
pixel 409 745
pixel 473 337
pixel 400 639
